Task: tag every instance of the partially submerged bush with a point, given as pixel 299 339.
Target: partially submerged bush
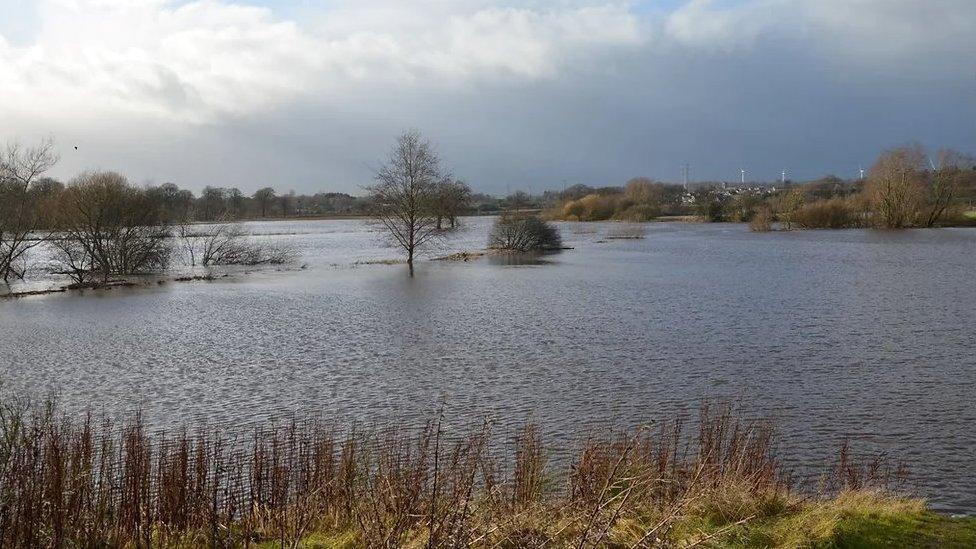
pixel 229 244
pixel 523 233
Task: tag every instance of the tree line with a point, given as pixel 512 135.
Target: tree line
pixel 906 187
pixel 99 225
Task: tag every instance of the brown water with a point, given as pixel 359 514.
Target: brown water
pixel 865 335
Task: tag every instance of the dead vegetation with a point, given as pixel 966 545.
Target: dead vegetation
pixel 226 243
pixel 92 483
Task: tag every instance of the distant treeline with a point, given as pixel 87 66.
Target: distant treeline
pixel 906 187
pixel 100 224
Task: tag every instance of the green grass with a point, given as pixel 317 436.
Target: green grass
pixel 923 529
pixel 970 214
pixel 855 520
pixel 861 520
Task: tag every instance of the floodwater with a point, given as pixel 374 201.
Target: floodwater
pixel 861 335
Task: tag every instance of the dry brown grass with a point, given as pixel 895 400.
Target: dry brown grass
pixel 66 482
pixel 762 221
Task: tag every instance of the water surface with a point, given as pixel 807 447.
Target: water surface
pixel 866 335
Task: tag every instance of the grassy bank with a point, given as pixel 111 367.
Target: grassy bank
pixel 306 483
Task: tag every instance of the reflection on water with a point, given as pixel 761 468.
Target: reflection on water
pixel 834 334
pixel 519 259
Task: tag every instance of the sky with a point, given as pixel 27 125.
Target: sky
pixel 309 96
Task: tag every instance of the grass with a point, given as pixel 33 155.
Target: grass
pixel 970 215
pixel 68 482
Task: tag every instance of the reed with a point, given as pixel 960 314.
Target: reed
pixel 92 483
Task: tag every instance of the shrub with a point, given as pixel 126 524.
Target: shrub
pixel 229 244
pixel 709 206
pixel 762 220
pixel 835 213
pixel 787 205
pixel 523 233
pixel 638 213
pixel 745 206
pixel 598 207
pixel 574 209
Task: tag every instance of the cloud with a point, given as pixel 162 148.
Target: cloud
pixel 203 59
pixel 705 25
pixel 516 90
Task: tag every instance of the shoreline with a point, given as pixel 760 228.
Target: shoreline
pixel 113 284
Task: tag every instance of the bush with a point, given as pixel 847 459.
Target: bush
pixel 836 213
pixel 523 233
pixel 762 220
pixel 638 213
pixel 709 206
pixel 229 244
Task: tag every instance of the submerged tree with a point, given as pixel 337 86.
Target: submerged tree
pixel 22 202
pixel 404 194
pixel 108 227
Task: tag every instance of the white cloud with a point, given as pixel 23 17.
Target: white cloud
pixel 208 58
pixel 704 25
pixel 204 59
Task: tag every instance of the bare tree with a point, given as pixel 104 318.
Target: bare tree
pixel 24 165
pixel 21 203
pixel 895 186
pixel 225 243
pixel 109 227
pixel 212 203
pixel 944 184
pixel 287 202
pixel 642 190
pixel 404 194
pixel 451 198
pixel 265 198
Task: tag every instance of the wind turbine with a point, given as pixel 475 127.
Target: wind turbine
pixel 782 177
pixel 743 173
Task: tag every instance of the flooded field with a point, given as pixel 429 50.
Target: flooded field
pixel 866 335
